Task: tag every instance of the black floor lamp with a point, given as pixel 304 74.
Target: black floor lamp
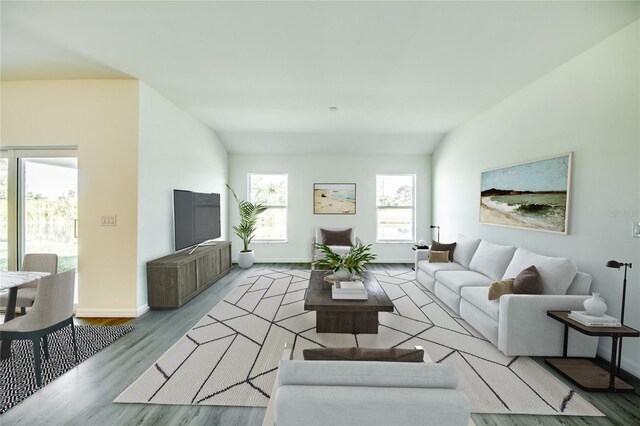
pixel 435 226
pixel 617 265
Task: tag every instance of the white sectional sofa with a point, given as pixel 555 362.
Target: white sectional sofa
pixel 516 323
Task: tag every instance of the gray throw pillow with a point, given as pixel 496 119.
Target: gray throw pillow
pixel 336 238
pixel 363 354
pixel 528 282
pixel 436 246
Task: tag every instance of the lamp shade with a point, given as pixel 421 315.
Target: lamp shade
pixel 613 264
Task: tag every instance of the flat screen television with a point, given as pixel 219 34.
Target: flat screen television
pixel 196 218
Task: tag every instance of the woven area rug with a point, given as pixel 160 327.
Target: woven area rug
pixel 17 374
pixel 230 357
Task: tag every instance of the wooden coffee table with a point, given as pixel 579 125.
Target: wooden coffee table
pixel 346 316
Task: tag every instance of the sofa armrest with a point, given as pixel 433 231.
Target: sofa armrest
pixel 421 254
pixel 525 329
pixel 367 373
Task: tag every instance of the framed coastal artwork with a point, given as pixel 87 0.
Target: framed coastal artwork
pixel 532 195
pixel 334 198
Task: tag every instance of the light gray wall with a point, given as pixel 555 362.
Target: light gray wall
pixel 590 106
pixel 175 151
pixel 304 171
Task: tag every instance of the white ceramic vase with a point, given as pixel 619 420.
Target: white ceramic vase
pixel 246 259
pixel 595 305
pixel 342 275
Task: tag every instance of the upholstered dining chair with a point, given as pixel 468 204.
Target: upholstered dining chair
pixel 51 311
pixel 32 262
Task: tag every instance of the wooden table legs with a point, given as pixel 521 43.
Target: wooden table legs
pixel 346 322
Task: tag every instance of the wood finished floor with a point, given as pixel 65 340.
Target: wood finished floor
pixel 84 395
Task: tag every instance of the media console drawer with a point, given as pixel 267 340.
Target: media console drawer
pixel 175 279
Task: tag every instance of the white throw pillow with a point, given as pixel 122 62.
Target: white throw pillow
pixel 465 248
pixel 491 259
pixel 557 273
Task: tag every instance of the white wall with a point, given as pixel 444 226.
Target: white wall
pixel 100 118
pixel 590 106
pixel 175 151
pixel 303 172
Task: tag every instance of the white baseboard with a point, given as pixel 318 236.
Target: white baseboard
pixel 106 313
pixel 631 367
pixel 142 310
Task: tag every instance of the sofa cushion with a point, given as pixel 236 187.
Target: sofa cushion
pixel 438 256
pixel 528 282
pixel 465 249
pixel 318 233
pixel 477 296
pixel 456 280
pixel 364 354
pixel 498 288
pixel 433 268
pixel 492 259
pixel 436 246
pixel 336 238
pixel 557 273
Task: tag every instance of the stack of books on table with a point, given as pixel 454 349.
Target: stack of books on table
pixel 592 321
pixel 353 290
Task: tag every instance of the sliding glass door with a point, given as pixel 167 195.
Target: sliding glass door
pixel 48 206
pixel 38 206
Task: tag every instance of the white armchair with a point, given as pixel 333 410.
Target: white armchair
pixel 337 248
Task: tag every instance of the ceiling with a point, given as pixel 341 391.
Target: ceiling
pixel 264 75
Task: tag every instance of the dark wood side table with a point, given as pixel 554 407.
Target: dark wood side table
pixel 583 371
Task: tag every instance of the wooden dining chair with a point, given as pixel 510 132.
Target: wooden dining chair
pixel 32 262
pixel 51 311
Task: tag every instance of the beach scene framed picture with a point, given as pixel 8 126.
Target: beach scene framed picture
pixel 532 195
pixel 334 198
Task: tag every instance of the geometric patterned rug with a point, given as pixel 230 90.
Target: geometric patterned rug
pixel 18 376
pixel 230 357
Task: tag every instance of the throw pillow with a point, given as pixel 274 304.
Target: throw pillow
pixel 363 354
pixel 498 288
pixel 336 238
pixel 438 256
pixel 444 247
pixel 528 282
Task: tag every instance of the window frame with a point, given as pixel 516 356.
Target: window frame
pixel 412 208
pixel 271 206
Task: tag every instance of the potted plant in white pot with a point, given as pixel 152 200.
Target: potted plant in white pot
pixel 246 229
pixel 344 266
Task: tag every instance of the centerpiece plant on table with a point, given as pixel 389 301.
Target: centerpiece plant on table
pixel 344 266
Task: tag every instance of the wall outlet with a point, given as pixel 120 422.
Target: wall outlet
pixel 108 220
pixel 635 229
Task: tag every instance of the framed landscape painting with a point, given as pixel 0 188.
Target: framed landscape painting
pixel 532 195
pixel 334 198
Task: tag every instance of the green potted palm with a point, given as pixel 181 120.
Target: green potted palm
pixel 344 266
pixel 247 228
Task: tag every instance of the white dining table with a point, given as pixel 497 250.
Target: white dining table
pixel 11 280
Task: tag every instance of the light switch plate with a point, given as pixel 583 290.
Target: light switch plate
pixel 108 220
pixel 635 231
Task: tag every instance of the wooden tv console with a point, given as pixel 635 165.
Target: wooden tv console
pixel 177 278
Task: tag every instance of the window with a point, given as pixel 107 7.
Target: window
pixel 272 191
pixel 395 203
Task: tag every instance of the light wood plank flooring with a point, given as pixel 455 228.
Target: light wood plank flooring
pixel 84 395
